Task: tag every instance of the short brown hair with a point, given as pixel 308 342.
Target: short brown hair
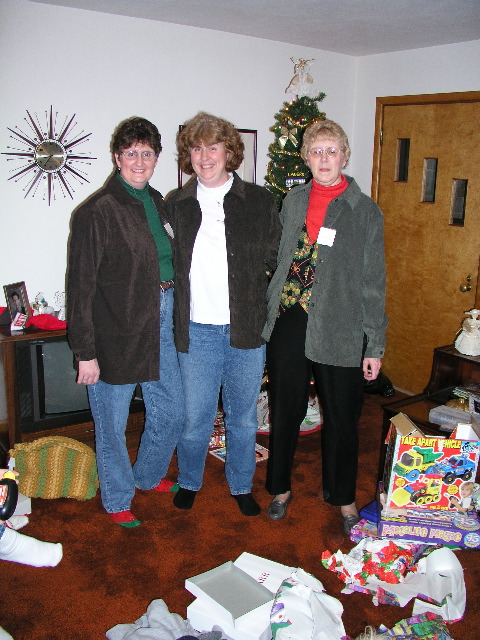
pixel 207 129
pixel 134 130
pixel 325 130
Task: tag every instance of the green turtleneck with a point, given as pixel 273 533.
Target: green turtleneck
pixel 164 248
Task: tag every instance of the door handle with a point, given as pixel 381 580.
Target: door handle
pixel 466 286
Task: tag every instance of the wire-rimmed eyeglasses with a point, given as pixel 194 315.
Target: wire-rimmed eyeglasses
pixel 133 155
pixel 330 152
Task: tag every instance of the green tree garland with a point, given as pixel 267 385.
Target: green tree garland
pixel 286 167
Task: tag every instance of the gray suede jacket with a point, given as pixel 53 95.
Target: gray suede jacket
pixel 348 292
pixel 252 231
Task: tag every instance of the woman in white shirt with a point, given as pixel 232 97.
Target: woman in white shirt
pixel 226 238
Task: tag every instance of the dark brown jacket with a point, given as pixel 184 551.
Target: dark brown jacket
pixel 113 293
pixel 252 230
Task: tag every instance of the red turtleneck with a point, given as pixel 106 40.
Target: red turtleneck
pixel 320 198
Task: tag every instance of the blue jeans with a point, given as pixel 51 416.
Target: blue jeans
pixel 210 364
pixel 164 421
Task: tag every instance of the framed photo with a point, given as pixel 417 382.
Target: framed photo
pixel 17 299
pixel 247 170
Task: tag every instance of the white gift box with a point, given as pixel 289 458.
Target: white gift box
pixel 237 596
pixel 201 618
pixel 230 593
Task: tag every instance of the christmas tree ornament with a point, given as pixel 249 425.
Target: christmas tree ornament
pixel 286 168
pixel 302 81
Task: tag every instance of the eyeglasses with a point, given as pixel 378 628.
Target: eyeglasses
pixel 133 155
pixel 330 152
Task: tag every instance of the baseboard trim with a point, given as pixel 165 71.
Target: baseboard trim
pixel 407 392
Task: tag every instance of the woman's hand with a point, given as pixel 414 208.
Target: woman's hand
pixel 371 368
pixel 88 371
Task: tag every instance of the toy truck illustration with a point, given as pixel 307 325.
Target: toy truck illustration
pixel 418 461
pixel 424 461
pixel 424 493
pixel 458 467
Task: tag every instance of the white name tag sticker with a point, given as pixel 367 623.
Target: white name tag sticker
pixel 326 236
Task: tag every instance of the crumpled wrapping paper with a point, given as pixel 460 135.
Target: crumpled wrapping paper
pixel 302 609
pixel 434 581
pixel 427 626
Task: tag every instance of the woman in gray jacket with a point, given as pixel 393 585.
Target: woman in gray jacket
pixel 326 318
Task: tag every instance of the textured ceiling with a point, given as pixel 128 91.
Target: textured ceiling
pixel 353 27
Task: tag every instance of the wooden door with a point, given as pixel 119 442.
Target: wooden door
pixel 426 179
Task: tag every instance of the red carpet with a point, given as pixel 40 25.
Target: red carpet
pixel 109 574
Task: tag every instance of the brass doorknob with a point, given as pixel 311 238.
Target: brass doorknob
pixel 466 286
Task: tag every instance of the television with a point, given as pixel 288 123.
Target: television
pixel 48 394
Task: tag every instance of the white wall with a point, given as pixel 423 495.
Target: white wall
pixel 106 68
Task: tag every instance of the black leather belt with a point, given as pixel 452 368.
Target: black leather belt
pixel 166 284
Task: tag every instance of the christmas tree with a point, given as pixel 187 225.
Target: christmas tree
pixel 286 167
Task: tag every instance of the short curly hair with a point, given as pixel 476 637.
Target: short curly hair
pixel 207 129
pixel 325 130
pixel 134 130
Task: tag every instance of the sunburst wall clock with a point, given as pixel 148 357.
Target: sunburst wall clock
pixel 50 162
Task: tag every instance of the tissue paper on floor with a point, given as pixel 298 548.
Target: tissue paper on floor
pixel 302 610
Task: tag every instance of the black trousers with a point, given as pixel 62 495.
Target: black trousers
pixel 340 391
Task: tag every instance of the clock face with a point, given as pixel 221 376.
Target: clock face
pixel 49 156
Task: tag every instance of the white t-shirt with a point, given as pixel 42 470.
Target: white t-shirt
pixel 209 302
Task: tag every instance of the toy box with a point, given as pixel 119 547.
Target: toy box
pixel 449 528
pixel 237 596
pixel 430 472
pixel 447 417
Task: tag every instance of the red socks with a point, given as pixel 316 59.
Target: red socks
pixel 125 519
pixel 166 486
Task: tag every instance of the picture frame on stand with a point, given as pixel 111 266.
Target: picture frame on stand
pixel 17 299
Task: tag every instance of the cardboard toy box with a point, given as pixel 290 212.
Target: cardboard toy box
pixel 237 596
pixel 449 528
pixel 426 472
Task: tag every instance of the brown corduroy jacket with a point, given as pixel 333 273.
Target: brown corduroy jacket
pixel 113 291
pixel 252 231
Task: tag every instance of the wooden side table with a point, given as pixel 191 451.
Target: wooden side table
pixel 450 369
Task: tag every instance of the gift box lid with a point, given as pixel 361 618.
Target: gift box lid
pixel 254 628
pixel 267 572
pixel 230 593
